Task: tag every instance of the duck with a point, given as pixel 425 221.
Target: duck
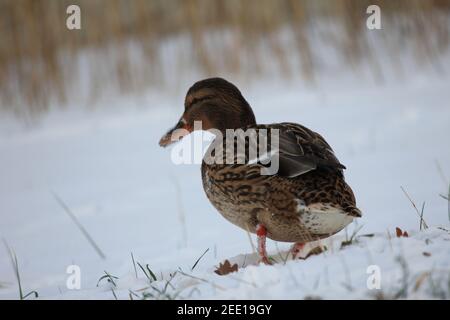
pixel 305 199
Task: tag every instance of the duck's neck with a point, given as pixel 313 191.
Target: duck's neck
pixel 248 117
pixel 242 118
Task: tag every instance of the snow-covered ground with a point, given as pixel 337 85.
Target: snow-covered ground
pixel 107 167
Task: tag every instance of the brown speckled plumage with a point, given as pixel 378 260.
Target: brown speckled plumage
pixel 245 197
pixel 306 200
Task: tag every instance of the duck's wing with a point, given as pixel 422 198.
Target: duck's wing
pixel 301 150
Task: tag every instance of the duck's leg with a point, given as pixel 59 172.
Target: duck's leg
pixel 296 248
pixel 261 233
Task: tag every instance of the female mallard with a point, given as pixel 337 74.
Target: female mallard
pixel 306 199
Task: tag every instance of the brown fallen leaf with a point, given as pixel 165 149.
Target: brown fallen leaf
pixel 401 233
pixel 426 254
pixel 226 268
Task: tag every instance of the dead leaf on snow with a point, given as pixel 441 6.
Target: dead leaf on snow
pixel 226 268
pixel 401 233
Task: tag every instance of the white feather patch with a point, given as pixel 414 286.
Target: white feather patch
pixel 322 218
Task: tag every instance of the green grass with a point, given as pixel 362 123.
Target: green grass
pixel 15 264
pixel 348 241
pixel 109 278
pixel 167 292
pixel 147 272
pixel 114 294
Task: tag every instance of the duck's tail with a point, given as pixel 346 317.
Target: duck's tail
pixel 353 212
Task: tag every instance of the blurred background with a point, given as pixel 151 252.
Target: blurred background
pixel 127 46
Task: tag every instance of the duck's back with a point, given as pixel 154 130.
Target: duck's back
pixel 305 199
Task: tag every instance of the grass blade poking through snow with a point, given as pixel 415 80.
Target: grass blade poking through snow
pixel 421 216
pixel 196 262
pixel 15 264
pixel 114 294
pixel 79 225
pixel 148 273
pixel 134 265
pixel 448 201
pixel 109 278
pixel 422 221
pixel 348 241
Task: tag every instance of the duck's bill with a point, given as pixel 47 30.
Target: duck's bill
pixel 173 135
pixel 165 140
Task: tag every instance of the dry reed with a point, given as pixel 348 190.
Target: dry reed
pixel 40 61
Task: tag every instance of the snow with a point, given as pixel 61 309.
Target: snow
pixel 106 165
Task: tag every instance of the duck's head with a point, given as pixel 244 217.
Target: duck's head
pixel 217 103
